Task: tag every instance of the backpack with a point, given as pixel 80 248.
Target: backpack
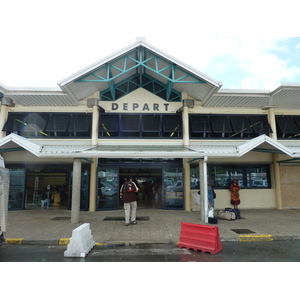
pixel 128 187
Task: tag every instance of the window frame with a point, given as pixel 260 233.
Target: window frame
pixel 17 123
pixel 223 126
pixel 246 177
pixel 168 126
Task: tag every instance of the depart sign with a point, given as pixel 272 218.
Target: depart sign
pixel 140 107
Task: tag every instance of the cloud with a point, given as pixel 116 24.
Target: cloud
pixel 254 63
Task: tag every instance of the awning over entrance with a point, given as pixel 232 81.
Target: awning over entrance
pixel 60 149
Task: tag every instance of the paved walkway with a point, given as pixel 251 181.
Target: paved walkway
pixel 52 226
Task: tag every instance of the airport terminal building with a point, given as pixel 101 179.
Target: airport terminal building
pixel 142 113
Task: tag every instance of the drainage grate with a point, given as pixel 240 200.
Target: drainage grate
pixel 61 218
pixel 123 219
pixel 242 231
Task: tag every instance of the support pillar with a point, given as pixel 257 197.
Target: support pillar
pixel 93 184
pixel 187 181
pixel 277 181
pixel 3 118
pixel 203 189
pixel 76 185
pixel 185 125
pixel 275 158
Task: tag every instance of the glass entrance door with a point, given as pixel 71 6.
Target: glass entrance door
pixel 173 188
pixel 107 189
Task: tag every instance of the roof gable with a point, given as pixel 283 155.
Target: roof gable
pixel 263 143
pixel 139 61
pixel 10 142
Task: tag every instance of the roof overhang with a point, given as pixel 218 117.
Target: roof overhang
pixel 286 96
pixel 143 59
pixel 35 96
pixel 265 144
pixel 14 142
pixel 262 143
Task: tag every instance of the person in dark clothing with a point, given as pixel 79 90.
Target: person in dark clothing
pixel 128 193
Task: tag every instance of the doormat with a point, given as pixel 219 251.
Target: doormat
pixel 61 218
pixel 123 219
pixel 242 231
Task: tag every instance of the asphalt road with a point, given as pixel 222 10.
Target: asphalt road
pixel 275 251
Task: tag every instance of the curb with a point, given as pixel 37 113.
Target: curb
pixel 239 238
pixel 255 238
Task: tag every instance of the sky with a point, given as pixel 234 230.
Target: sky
pixel 242 46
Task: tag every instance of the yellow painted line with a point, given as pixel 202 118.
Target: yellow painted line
pixel 255 238
pixel 63 241
pixel 99 244
pixel 14 241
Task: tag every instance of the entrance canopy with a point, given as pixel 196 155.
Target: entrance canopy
pixel 263 143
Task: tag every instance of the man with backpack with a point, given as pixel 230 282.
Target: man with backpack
pixel 128 194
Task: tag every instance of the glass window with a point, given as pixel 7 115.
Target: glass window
pixel 218 176
pixel 172 125
pixel 151 125
pixel 228 126
pixel 80 123
pixel 16 188
pixel 109 125
pixel 220 124
pixel 248 176
pixel 107 189
pixel 130 125
pixel 286 127
pixel 47 125
pixel 259 177
pixel 260 124
pixel 240 125
pixel 58 123
pixel 199 125
pixel 195 178
pixel 173 188
pixel 140 125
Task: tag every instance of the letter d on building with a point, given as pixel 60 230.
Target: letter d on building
pixel 114 106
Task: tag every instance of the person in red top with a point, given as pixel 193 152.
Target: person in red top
pixel 128 194
pixel 235 194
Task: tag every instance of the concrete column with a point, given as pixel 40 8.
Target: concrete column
pixel 272 122
pixel 95 124
pixel 185 125
pixel 3 119
pixel 75 207
pixel 275 158
pixel 203 189
pixel 93 185
pixel 277 181
pixel 187 186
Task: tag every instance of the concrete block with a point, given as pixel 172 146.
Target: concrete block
pixel 81 242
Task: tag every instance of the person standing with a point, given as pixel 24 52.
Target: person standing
pixel 211 195
pixel 128 193
pixel 235 194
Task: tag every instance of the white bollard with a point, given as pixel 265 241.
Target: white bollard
pixel 81 242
